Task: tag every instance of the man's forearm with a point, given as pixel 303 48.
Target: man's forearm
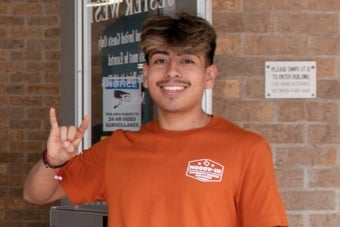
pixel 41 186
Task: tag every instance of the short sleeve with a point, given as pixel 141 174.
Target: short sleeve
pixel 83 177
pixel 259 201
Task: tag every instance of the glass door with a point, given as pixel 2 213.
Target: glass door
pixel 110 62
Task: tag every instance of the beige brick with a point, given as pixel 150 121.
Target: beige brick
pixel 43 67
pixel 325 5
pixel 40 44
pixel 291 111
pixel 38 112
pixel 52 32
pixel 13 113
pixel 26 9
pixel 295 220
pixel 228 45
pixel 328 89
pixel 290 157
pixel 3 170
pixel 16 134
pixel 323 112
pixel 326 67
pixel 12 66
pixel 52 9
pixel 330 220
pixel 246 111
pixel 324 178
pixel 253 89
pixel 11 181
pixel 25 101
pixel 227 89
pixel 226 4
pixel 27 146
pixel 25 124
pixel 275 44
pixel 14 21
pixel 43 21
pixel 27 214
pixel 43 90
pixel 32 32
pixel 290 178
pixel 4 78
pixel 24 55
pixel 52 55
pixel 4 101
pixel 323 45
pixel 324 134
pixel 38 135
pixel 307 23
pixel 11 157
pixel 278 133
pixel 4 55
pixel 52 77
pixel 24 77
pixel 241 22
pixel 230 67
pixel 12 89
pixel 309 200
pixel 12 44
pixel 251 5
pixel 3 32
pixel 51 101
pixel 3 9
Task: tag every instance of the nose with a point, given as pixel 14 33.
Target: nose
pixel 172 70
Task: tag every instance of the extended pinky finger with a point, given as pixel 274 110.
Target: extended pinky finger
pixel 82 128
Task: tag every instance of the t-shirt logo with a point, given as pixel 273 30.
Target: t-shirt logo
pixel 205 170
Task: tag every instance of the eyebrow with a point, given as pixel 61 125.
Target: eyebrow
pixel 165 52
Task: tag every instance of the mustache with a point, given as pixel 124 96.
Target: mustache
pixel 177 81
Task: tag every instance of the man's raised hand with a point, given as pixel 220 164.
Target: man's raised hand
pixel 63 141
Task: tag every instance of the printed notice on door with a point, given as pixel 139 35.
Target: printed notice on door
pixel 122 73
pixel 290 79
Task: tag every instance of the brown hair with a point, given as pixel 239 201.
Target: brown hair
pixel 185 34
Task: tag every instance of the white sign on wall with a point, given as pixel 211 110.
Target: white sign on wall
pixel 290 79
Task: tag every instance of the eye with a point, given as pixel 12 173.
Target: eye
pixel 188 61
pixel 159 61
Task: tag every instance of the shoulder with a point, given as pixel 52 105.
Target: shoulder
pixel 226 132
pixel 229 127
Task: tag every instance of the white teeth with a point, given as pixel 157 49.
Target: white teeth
pixel 173 88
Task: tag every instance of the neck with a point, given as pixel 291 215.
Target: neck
pixel 183 121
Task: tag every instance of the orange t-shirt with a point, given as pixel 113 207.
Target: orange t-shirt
pixel 216 176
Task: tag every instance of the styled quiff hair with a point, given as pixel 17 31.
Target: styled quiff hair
pixel 185 34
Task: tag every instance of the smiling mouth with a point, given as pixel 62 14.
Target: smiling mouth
pixel 173 88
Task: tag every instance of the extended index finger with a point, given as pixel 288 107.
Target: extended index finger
pixel 53 119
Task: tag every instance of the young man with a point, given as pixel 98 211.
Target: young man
pixel 186 168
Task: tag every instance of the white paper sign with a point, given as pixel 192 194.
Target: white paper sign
pixel 290 79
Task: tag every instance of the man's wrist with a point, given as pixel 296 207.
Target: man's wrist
pixel 47 164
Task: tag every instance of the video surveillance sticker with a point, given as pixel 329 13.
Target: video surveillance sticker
pixel 122 100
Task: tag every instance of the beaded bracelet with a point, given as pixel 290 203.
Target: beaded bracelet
pixel 47 164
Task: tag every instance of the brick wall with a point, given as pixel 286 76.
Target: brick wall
pixel 304 133
pixel 29 85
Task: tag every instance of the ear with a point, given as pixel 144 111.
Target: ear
pixel 210 76
pixel 145 75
